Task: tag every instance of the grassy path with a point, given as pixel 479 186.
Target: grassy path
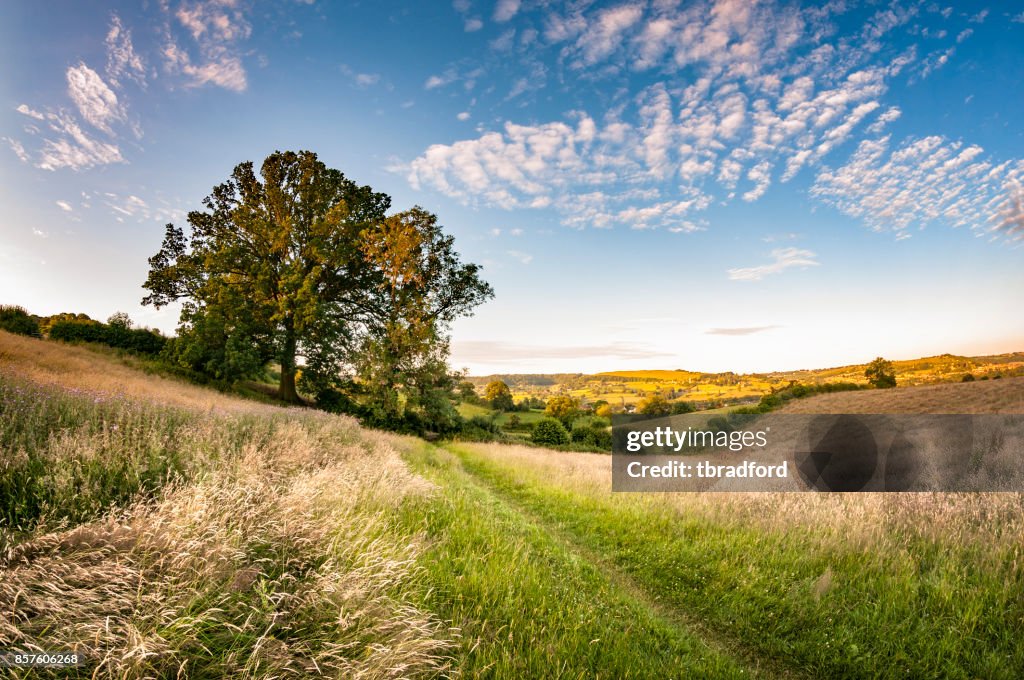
pixel 528 602
pixel 754 663
pixel 786 602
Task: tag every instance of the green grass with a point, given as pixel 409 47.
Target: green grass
pixel 527 606
pixel 922 612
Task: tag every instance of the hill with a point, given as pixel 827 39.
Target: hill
pixel 710 390
pixel 982 396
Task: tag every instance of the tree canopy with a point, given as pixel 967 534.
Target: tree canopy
pixel 499 395
pixel 880 373
pixel 301 265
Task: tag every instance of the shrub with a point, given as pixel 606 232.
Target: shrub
pixel 550 432
pixel 14 319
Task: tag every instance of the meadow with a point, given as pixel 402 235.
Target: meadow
pixel 167 530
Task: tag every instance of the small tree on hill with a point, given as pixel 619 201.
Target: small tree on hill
pixel 499 396
pixel 562 407
pixel 654 405
pixel 880 373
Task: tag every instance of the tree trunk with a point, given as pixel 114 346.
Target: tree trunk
pixel 286 390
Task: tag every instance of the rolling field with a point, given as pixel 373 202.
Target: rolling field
pixel 166 530
pixel 988 396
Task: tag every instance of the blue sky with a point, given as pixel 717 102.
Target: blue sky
pixel 714 186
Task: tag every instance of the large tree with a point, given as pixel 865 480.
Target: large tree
pixel 302 265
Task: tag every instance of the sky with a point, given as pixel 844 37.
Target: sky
pixel 712 186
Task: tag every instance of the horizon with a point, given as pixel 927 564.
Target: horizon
pixel 768 372
pixel 712 184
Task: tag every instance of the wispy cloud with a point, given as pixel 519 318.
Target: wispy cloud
pixel 772 91
pixel 217 29
pixel 25 110
pixel 75 149
pixel 122 60
pixel 96 102
pixel 743 330
pixel 492 351
pixel 65 206
pixel 505 10
pixel 782 259
pixel 924 180
pixel 524 258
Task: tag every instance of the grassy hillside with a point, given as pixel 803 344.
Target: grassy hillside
pixel 165 530
pixel 987 396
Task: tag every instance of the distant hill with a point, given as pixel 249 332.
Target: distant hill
pixel 723 389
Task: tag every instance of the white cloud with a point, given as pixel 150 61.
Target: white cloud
pixel 75 149
pixel 39 233
pixel 604 35
pixel 464 115
pixel 745 94
pixel 505 10
pixel 217 27
pixel 782 259
pixel 367 79
pixel 95 100
pixel 979 17
pixel 890 115
pixel 473 25
pixel 24 110
pixel 17 148
pixel 122 60
pixel 925 180
pixel 524 258
pixel 64 205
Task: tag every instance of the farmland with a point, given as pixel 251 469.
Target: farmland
pixel 715 390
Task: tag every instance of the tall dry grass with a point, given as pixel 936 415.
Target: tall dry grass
pixel 986 524
pixel 240 540
pixel 1005 395
pixel 86 371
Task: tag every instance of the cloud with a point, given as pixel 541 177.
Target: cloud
pixel 17 148
pixel 770 92
pixel 96 102
pixel 75 149
pixel 473 25
pixel 64 205
pixel 464 115
pixel 524 258
pixel 891 114
pixel 436 81
pixel 24 110
pixel 748 330
pixel 505 10
pixel 783 259
pixel 496 351
pixel 604 34
pixel 122 61
pixel 924 180
pixel 217 28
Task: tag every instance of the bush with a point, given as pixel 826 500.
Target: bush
pixel 550 432
pixel 119 334
pixel 14 319
pixel 594 436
